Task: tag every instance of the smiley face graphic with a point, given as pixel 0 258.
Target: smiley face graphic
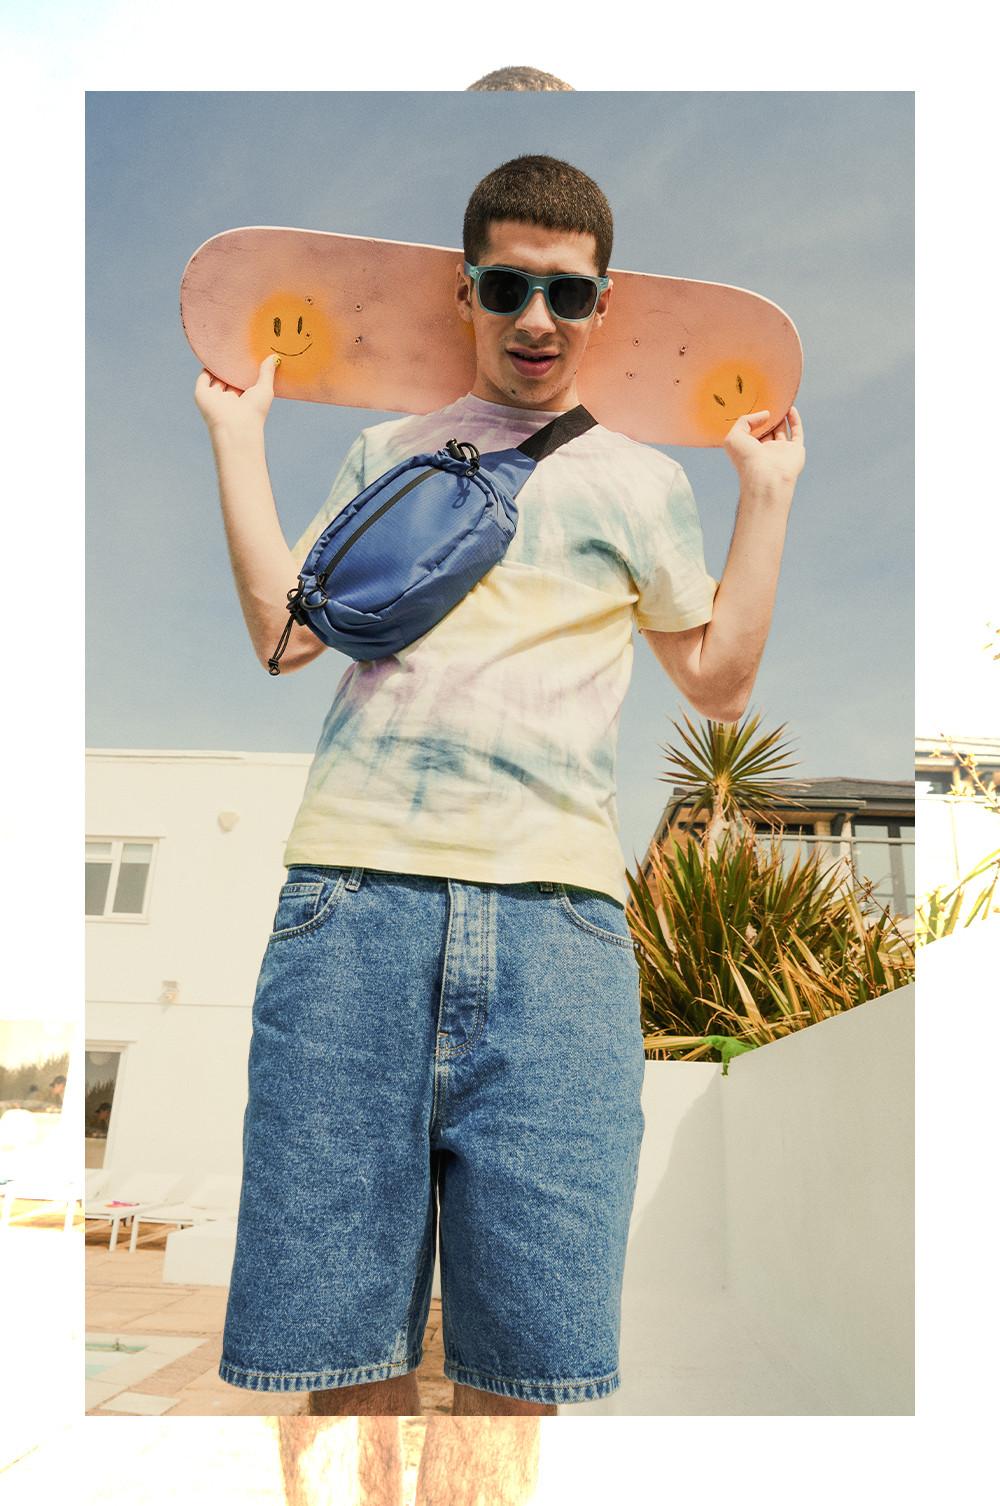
pixel 291 326
pixel 726 393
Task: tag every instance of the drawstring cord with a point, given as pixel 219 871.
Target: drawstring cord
pixel 295 596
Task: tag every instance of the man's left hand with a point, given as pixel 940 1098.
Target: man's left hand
pixel 775 460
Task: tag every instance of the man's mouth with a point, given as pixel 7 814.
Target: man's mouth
pixel 533 362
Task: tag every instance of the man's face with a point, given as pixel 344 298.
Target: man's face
pixel 504 345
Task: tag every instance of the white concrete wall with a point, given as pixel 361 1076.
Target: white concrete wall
pixel 770 1262
pixel 818 1132
pixel 182 1088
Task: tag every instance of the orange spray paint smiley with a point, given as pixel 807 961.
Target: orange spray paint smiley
pixel 727 392
pixel 290 325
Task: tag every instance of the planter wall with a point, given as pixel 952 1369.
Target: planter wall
pixel 770 1266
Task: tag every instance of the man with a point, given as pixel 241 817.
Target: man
pixel 446 1026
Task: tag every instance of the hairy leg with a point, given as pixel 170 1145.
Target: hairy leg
pixel 344 1461
pixel 479 1461
pixel 398 1397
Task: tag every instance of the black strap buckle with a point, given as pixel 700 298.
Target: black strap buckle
pixel 455 450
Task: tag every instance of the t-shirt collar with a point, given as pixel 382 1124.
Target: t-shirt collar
pixel 504 410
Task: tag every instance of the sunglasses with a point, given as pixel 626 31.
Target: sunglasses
pixel 505 290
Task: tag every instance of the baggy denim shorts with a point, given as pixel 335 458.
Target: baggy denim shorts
pixel 438 1060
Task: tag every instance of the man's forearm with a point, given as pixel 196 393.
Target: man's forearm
pixel 733 642
pixel 263 565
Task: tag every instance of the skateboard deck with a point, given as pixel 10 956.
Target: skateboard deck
pixel 373 324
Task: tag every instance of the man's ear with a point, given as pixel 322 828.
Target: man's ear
pixel 463 294
pixel 601 307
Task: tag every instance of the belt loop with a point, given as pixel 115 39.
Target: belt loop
pixel 547 887
pixel 354 882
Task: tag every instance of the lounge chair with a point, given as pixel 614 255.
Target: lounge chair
pixel 214 1197
pixel 120 1200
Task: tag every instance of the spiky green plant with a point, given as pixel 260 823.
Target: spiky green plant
pixel 944 911
pixel 736 939
pixel 727 771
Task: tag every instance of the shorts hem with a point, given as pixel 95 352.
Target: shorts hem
pixel 588 1388
pixel 314 1380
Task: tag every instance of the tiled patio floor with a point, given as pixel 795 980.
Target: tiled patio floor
pixel 183 1326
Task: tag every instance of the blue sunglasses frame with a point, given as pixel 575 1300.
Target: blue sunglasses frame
pixel 537 285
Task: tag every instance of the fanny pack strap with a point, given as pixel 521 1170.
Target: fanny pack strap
pixel 559 431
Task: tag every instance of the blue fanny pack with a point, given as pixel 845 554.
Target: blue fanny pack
pixel 414 542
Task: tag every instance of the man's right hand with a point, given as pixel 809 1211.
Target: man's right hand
pixel 228 408
pixel 263 566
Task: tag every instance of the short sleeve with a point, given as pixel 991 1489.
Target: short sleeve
pixel 675 589
pixel 350 481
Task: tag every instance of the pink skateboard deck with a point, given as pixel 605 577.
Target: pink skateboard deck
pixel 373 324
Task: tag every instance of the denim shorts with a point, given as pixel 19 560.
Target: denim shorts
pixel 438 1060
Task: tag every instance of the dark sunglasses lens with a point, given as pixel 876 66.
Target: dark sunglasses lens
pixel 573 297
pixel 502 292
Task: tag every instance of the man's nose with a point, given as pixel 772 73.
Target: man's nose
pixel 535 314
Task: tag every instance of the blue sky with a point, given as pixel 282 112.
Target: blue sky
pixel 805 198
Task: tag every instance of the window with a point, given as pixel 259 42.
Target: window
pixel 103 1064
pixel 117 882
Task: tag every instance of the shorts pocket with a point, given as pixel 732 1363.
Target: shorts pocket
pixel 304 904
pixel 596 913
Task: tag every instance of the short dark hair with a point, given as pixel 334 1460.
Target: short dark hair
pixel 520 80
pixel 538 191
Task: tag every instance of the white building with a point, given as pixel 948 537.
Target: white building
pixel 957 813
pixel 184 863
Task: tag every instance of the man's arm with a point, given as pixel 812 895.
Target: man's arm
pixel 715 665
pixel 263 565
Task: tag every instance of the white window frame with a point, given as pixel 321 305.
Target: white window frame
pixel 117 846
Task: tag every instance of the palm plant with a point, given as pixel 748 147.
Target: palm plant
pixel 734 939
pixel 726 771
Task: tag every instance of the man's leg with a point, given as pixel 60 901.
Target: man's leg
pixel 482 1461
pixel 351 1461
pixel 397 1397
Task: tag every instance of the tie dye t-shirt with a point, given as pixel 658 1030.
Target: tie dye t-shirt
pixel 485 751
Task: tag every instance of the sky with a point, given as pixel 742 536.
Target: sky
pixel 804 198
